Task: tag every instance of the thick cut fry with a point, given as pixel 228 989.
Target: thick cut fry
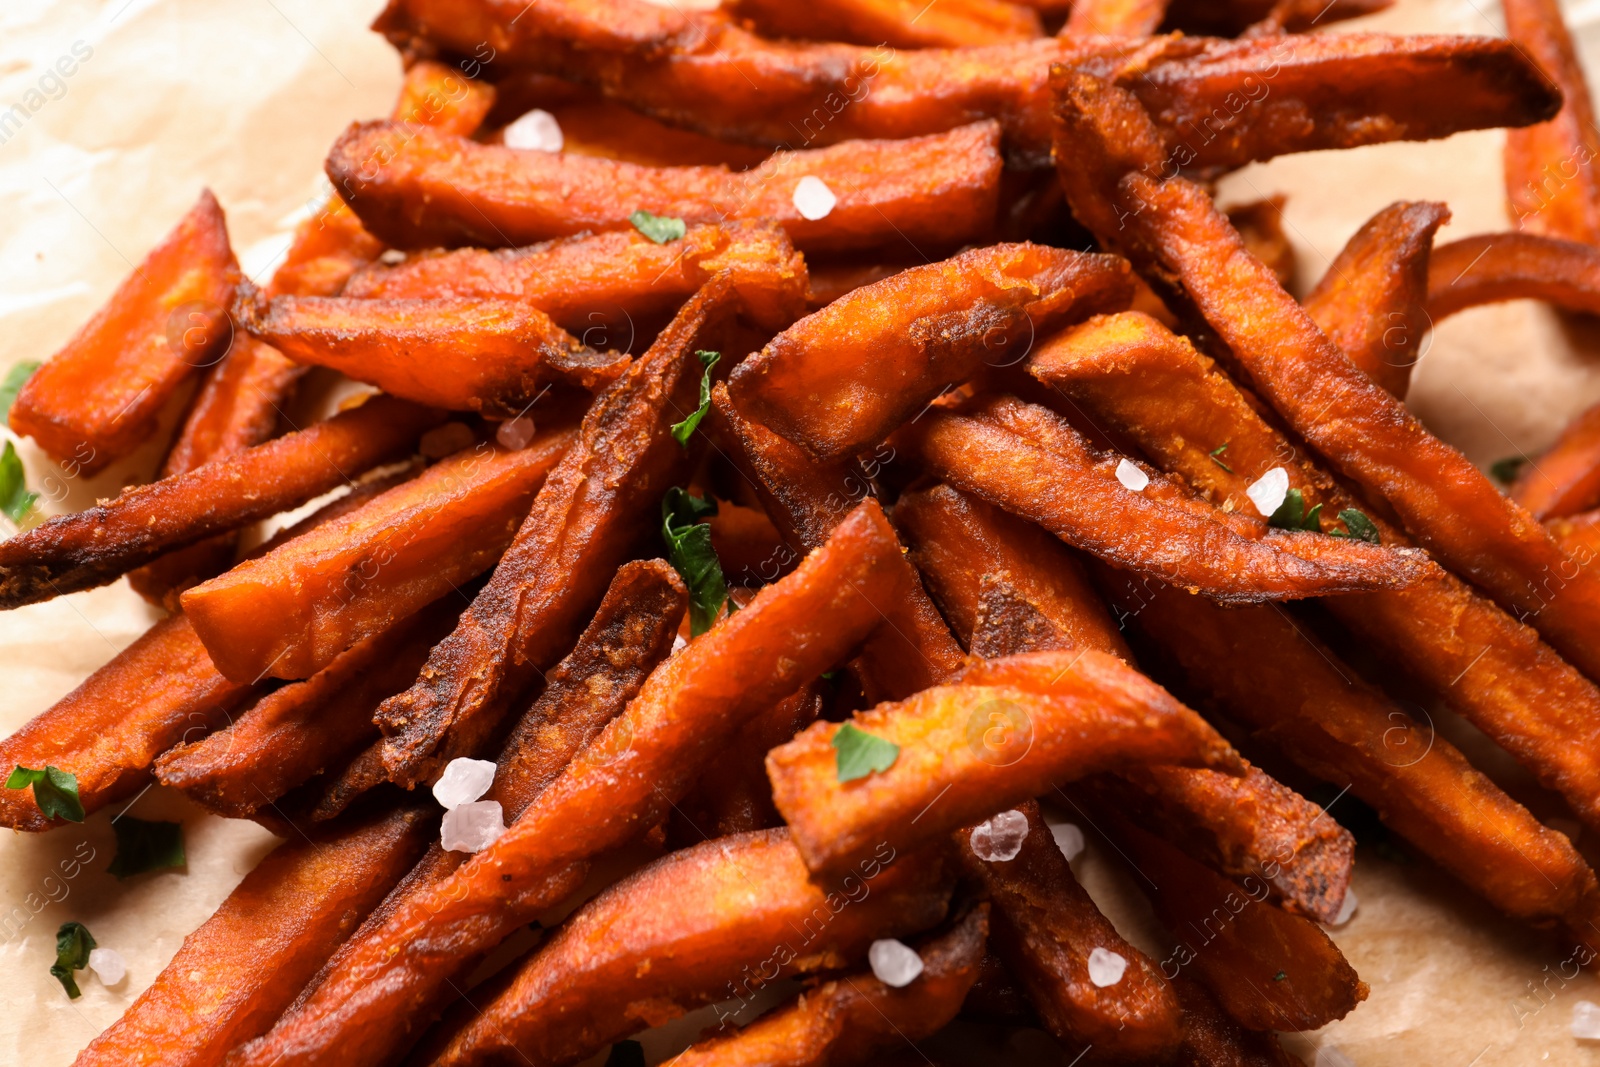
pixel 159 690
pixel 1114 18
pixel 248 961
pixel 1173 229
pixel 1550 168
pixel 440 97
pixel 734 796
pixel 1239 946
pixel 898 23
pixel 98 398
pixel 489 356
pixel 926 329
pixel 1493 267
pixel 1045 927
pixel 299 730
pixel 1010 729
pixel 1566 479
pixel 1060 482
pixel 95 546
pixel 854 1018
pixel 1260 223
pixel 1373 300
pixel 594 509
pixel 1211 1039
pixel 676 935
pixel 435 189
pixel 595 284
pixel 624 781
pixel 288 613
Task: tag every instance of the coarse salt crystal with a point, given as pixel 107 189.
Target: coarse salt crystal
pixel 514 434
pixel 391 257
pixel 813 199
pixel 1106 967
pixel 894 962
pixel 108 965
pixel 1000 838
pixel 1331 1056
pixel 1586 1020
pixel 1267 492
pixel 537 130
pixel 463 781
pixel 472 827
pixel 1069 839
pixel 1131 477
pixel 1347 908
pixel 678 642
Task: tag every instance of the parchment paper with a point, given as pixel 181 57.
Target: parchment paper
pixel 246 96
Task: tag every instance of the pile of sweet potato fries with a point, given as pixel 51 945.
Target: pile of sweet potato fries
pixel 799 438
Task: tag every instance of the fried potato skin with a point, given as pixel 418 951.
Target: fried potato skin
pixel 1044 927
pixel 675 935
pixel 602 279
pixel 622 783
pixel 926 329
pixel 899 23
pixel 1070 714
pixel 95 546
pixel 1544 198
pixel 97 398
pixel 146 699
pixel 436 189
pixel 488 356
pixel 1493 267
pixel 247 962
pixel 1373 301
pixel 848 1020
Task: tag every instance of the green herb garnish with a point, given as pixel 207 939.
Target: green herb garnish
pixel 145 846
pixel 15 500
pixel 54 790
pixel 681 431
pixel 73 944
pixel 659 228
pixel 859 753
pixel 1216 456
pixel 691 555
pixel 1359 526
pixel 1292 514
pixel 12 384
pixel 1280 976
pixel 1505 471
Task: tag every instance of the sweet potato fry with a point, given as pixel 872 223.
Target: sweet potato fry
pixel 1566 478
pixel 1579 536
pixel 624 781
pixel 463 354
pixel 247 962
pixel 1373 301
pixel 1550 168
pixel 1212 1039
pixel 1045 926
pixel 440 97
pixel 98 398
pixel 288 613
pixel 1260 223
pixel 158 690
pixel 734 796
pixel 1007 731
pixel 1162 531
pixel 95 546
pixel 299 730
pixel 1493 267
pixel 602 280
pixel 852 1018
pixel 591 513
pixel 675 935
pixel 1367 435
pixel 928 328
pixel 436 189
pixel 1114 18
pixel 594 126
pixel 898 23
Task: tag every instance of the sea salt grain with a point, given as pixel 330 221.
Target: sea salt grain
pixel 1131 476
pixel 1000 838
pixel 1069 839
pixel 514 434
pixel 1586 1020
pixel 472 827
pixel 894 962
pixel 1346 909
pixel 463 781
pixel 1106 967
pixel 1268 491
pixel 108 965
pixel 813 199
pixel 537 130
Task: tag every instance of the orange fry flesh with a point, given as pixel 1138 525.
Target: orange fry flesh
pixel 925 329
pixel 437 189
pixel 1550 168
pixel 854 1017
pixel 1493 267
pixel 1114 18
pixel 95 546
pixel 697 916
pixel 1007 731
pixel 488 356
pixel 899 23
pixel 98 398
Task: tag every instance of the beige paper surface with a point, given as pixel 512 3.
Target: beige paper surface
pixel 246 96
